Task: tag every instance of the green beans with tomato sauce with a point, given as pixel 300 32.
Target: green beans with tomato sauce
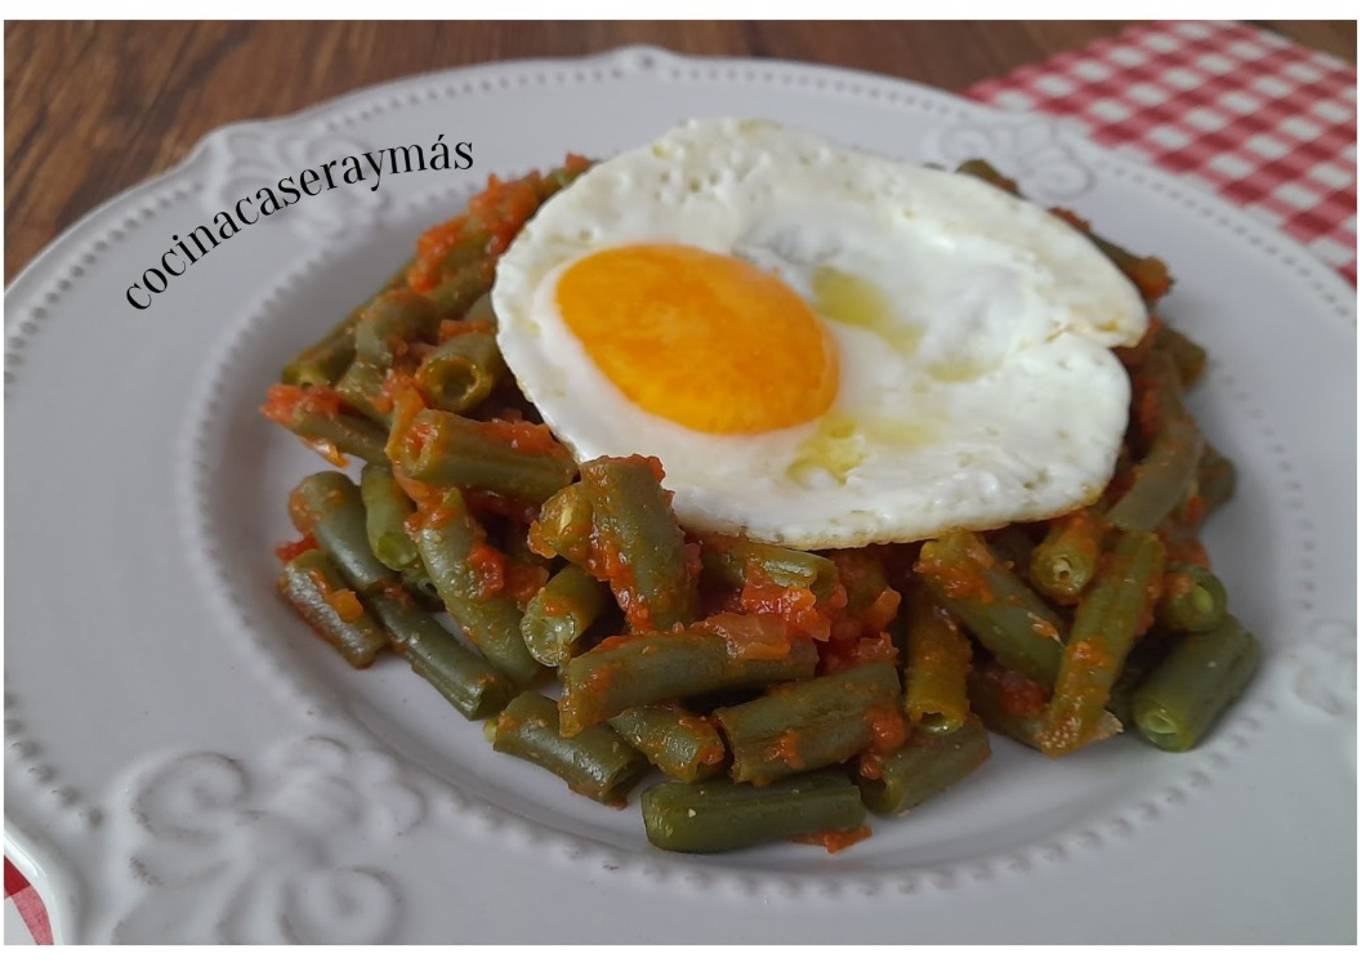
pixel 1001 612
pixel 556 619
pixel 1193 599
pixel 682 745
pixel 810 724
pixel 323 362
pixel 386 509
pixel 329 507
pixel 1201 675
pixel 390 322
pixel 732 559
pixel 474 687
pixel 512 459
pixel 1112 614
pixel 926 765
pixel 650 668
pixel 313 585
pixel 314 415
pixel 595 762
pixel 716 815
pixel 460 374
pixel 937 661
pixel 449 540
pixel 364 388
pixel 645 559
pixel 1065 561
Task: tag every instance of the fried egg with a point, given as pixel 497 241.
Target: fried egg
pixel 825 348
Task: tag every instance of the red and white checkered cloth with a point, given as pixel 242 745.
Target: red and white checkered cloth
pixel 1266 124
pixel 1263 123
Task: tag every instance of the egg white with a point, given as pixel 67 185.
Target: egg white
pixel 989 395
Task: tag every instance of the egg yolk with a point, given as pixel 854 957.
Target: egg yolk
pixel 701 339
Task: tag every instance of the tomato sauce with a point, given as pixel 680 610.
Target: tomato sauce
pixel 288 551
pixel 834 840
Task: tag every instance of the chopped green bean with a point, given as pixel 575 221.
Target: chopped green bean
pixel 1013 547
pixel 472 685
pixel 556 619
pixel 313 586
pixel 653 580
pixel 928 764
pixel 390 322
pixel 716 815
pixel 445 449
pixel 809 724
pixel 1001 612
pixel 325 361
pixel 364 387
pixel 1193 599
pixel 1065 561
pixel 386 509
pixel 1164 476
pixel 313 414
pixel 1142 660
pixel 1201 676
pixel 595 762
pixel 564 526
pixel 733 558
pixel 461 372
pixel 1109 618
pixel 460 289
pixel 447 539
pixel 937 662
pixel 652 668
pixel 681 745
pixel 329 506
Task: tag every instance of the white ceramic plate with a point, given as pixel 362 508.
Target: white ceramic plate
pixel 185 762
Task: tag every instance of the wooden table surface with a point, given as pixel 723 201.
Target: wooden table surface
pixel 94 108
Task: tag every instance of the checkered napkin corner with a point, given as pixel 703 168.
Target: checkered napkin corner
pixel 29 906
pixel 1264 123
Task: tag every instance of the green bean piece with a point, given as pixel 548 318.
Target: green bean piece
pixel 1188 355
pixel 461 372
pixel 717 815
pixel 1001 698
pixel 1142 660
pixel 1162 479
pixel 595 763
pixel 654 583
pixel 928 764
pixel 460 289
pixel 1111 615
pixel 733 558
pixel 386 509
pixel 1065 561
pixel 390 322
pixel 556 619
pixel 364 388
pixel 316 419
pixel 446 539
pixel 809 724
pixel 1193 599
pixel 650 668
pixel 326 360
pixel 329 506
pixel 1001 612
pixel 937 661
pixel 1201 676
pixel 474 687
pixel 1216 478
pixel 445 449
pixel 313 586
pixel 564 525
pixel 681 745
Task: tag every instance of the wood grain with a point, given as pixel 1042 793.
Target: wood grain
pixel 93 108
